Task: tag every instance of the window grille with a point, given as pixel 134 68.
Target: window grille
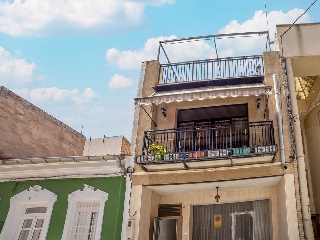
pixel 85 221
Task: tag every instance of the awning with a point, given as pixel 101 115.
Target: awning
pixel 204 93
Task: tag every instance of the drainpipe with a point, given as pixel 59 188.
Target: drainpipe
pixel 121 163
pixel 277 96
pixel 126 207
pixel 305 207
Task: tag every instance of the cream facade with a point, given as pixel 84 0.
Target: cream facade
pixel 218 143
pixel 301 53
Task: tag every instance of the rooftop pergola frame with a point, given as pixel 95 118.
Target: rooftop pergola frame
pixel 213 38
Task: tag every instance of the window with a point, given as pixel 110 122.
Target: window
pixel 85 223
pixel 85 214
pixel 32 223
pixel 29 215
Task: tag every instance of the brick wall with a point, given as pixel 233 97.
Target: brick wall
pixel 28 131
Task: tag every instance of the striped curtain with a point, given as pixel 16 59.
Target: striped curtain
pixel 235 221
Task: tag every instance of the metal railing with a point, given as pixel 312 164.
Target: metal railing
pixel 239 138
pixel 211 69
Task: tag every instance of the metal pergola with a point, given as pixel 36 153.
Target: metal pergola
pixel 214 38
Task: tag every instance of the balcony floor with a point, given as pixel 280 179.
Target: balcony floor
pixel 209 83
pixel 206 163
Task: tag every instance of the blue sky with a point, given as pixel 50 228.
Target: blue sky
pixel 80 60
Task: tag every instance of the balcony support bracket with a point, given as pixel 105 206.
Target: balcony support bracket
pixel 231 160
pixel 144 168
pixel 185 166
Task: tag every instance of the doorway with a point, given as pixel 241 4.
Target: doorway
pixel 235 221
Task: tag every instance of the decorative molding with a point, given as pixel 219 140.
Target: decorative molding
pixel 32 197
pixel 87 194
pixel 63 177
pixel 35 194
pixel 47 170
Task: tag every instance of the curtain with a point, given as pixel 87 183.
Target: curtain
pixel 236 221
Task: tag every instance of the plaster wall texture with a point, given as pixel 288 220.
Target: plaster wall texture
pixel 300 40
pixel 272 66
pixel 28 131
pixel 280 200
pixel 113 210
pixel 310 124
pixel 305 66
pixel 208 175
pixel 149 78
pixel 135 206
pixel 107 146
pixel 300 179
pixel 287 220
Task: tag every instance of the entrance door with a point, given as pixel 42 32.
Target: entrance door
pixel 165 228
pixel 235 221
pixel 242 225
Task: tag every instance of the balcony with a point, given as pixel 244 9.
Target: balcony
pixel 212 146
pixel 211 72
pixel 216 71
pixel 206 67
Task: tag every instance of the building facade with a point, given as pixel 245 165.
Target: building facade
pixel 63 198
pixel 54 184
pixel 300 52
pixel 216 154
pixel 28 131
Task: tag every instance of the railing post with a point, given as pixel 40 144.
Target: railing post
pixel 144 144
pixel 184 139
pixel 159 75
pixel 272 133
pixel 230 132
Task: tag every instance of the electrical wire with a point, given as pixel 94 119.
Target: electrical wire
pixel 149 116
pixel 298 18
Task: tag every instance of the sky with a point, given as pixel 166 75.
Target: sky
pixel 80 60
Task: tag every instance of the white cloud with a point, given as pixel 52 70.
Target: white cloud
pixel 15 71
pixel 127 59
pixel 258 23
pixel 132 59
pixel 119 81
pixel 51 17
pixel 40 95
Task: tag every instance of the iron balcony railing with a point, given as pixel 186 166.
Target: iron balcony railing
pixel 209 69
pixel 223 140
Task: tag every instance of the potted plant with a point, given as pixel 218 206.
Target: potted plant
pixel 157 150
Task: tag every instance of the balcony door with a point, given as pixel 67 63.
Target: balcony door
pixel 219 127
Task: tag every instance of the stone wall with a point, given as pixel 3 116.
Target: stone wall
pixel 28 131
